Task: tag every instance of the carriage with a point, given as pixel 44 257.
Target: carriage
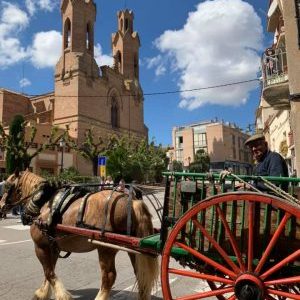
pixel 241 244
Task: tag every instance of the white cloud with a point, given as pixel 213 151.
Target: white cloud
pixel 24 82
pixel 45 5
pixel 158 63
pixel 31 7
pixel 218 44
pixel 12 21
pixel 46 49
pixel 101 58
pixel 12 15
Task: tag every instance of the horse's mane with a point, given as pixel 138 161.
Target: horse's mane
pixel 29 182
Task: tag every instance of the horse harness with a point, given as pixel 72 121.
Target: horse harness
pixel 82 207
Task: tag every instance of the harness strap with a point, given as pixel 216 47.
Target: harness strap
pixel 106 211
pixel 129 207
pixel 81 210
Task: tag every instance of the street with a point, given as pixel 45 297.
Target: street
pixel 21 273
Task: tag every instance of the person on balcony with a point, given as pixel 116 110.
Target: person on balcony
pixel 271 62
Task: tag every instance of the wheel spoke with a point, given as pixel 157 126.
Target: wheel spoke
pixel 283 294
pixel 200 276
pixel 281 264
pixel 295 279
pixel 217 246
pixel 272 242
pixel 231 238
pixel 250 237
pixel 207 294
pixel 207 260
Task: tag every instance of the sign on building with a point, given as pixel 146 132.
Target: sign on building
pixel 102 166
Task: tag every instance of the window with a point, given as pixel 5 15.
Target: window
pixel 67 34
pixel 200 140
pixel 136 66
pixel 114 113
pixel 179 155
pixel 179 142
pixel 89 43
pixel 233 139
pixel 118 62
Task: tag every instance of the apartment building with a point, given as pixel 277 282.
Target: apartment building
pixel 278 114
pixel 224 143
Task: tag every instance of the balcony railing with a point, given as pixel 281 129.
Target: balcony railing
pixel 274 67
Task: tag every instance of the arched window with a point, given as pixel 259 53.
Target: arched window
pixel 89 40
pixel 119 61
pixel 67 34
pixel 114 113
pixel 122 24
pixel 136 66
pixel 126 24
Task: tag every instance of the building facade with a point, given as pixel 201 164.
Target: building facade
pixel 223 142
pixel 279 111
pixel 109 99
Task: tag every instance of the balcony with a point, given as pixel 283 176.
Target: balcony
pixel 275 78
pixel 273 16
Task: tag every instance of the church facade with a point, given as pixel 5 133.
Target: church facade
pixel 108 99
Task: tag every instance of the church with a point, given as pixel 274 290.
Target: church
pixel 107 99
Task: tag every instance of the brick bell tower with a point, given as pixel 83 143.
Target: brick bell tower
pixel 125 46
pixel 76 65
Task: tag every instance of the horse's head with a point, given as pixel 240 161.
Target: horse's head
pixel 11 194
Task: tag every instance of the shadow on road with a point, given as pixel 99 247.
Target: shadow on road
pixel 86 294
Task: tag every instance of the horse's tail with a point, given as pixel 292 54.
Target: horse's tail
pixel 147 266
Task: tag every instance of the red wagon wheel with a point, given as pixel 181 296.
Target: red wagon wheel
pixel 245 245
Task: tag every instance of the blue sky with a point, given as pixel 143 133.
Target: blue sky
pixel 185 44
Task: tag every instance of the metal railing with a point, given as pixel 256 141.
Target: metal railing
pixel 274 67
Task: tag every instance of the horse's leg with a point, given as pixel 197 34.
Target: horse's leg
pixel 108 271
pixel 133 261
pixel 48 256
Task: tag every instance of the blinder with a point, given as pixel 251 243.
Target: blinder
pixel 8 189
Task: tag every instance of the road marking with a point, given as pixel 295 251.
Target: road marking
pixel 17 227
pixel 2 241
pixel 19 242
pixel 154 291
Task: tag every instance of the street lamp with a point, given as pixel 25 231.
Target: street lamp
pixel 62 144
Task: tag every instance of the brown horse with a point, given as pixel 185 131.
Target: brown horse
pixel 21 187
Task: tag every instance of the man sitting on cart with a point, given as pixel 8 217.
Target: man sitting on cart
pixel 268 163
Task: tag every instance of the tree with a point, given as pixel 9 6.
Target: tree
pixel 134 159
pixel 17 146
pixel 201 163
pixel 177 166
pixel 14 143
pixel 89 149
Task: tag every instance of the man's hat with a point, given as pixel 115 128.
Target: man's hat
pixel 254 137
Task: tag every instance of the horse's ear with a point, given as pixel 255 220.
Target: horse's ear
pixel 17 172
